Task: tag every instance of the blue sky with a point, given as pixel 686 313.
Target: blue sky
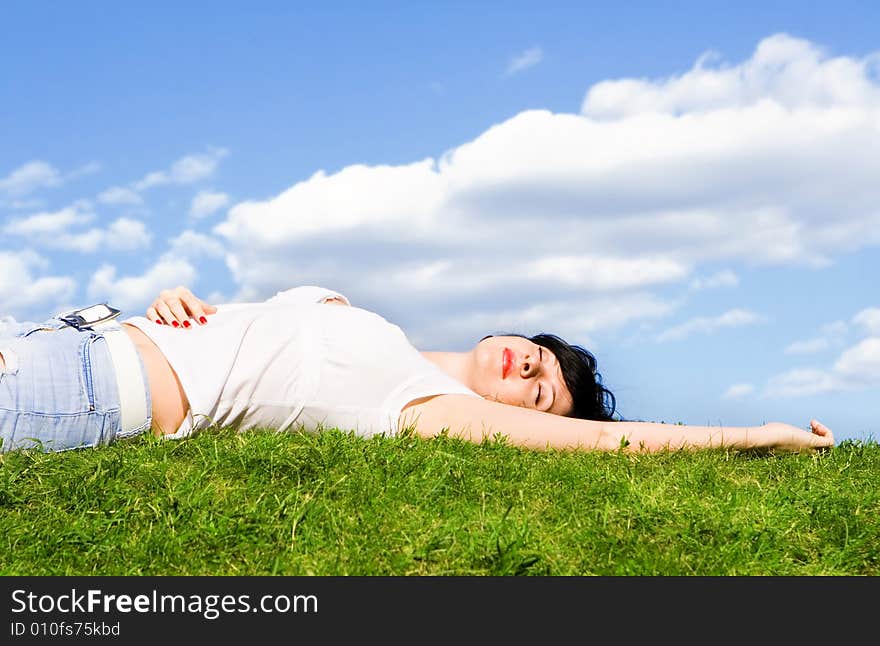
pixel 690 190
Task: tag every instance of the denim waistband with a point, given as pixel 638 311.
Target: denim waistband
pixel 62 389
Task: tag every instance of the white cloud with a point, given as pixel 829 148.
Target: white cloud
pixel 23 205
pixel 356 197
pixel 154 178
pixel 38 174
pixel 47 223
pixel 834 330
pixel 193 168
pixel 525 60
pixel 191 244
pixel 23 290
pixel 186 170
pixel 738 391
pixel 206 202
pixel 856 368
pixel 731 164
pixel 53 230
pixel 830 334
pixel 800 382
pixel 726 278
pixel 30 177
pixel 705 325
pixel 86 169
pixel 807 347
pixel 133 294
pixel 860 364
pixel 575 320
pixel 583 273
pixel 601 273
pixel 123 234
pixel 788 71
pixel 869 320
pixel 120 195
pixel 216 298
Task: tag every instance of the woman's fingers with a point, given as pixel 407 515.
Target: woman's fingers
pixel 820 436
pixel 179 307
pixel 153 314
pixel 180 310
pixel 167 315
pixel 198 309
pixel 821 430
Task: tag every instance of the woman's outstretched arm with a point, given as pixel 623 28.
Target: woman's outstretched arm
pixel 472 418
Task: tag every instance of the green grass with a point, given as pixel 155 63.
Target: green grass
pixel 265 503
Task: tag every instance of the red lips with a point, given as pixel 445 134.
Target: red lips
pixel 506 362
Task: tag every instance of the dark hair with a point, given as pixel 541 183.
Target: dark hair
pixel 592 400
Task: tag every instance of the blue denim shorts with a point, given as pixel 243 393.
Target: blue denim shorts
pixel 58 390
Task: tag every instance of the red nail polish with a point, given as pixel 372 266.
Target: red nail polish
pixel 158 322
pixel 202 320
pixel 186 324
pixel 175 323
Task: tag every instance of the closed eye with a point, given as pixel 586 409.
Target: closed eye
pixel 540 361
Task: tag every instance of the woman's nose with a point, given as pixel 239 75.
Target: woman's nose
pixel 529 365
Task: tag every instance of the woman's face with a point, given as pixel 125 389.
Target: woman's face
pixel 513 370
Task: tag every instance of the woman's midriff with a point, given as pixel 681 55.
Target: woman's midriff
pixel 169 401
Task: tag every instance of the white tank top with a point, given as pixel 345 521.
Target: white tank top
pixel 293 362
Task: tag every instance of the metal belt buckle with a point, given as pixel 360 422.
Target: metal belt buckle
pixel 88 317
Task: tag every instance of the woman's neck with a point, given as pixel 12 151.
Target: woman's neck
pixel 455 364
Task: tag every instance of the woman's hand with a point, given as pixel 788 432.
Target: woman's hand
pixel 177 306
pixel 777 435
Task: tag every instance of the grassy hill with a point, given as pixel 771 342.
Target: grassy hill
pixel 261 503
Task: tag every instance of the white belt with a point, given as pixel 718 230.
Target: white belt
pixel 129 378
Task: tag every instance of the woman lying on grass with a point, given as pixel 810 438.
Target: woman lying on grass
pixel 307 359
